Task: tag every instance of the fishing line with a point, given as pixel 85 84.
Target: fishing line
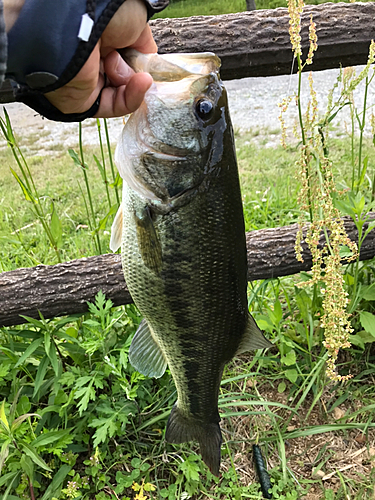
pixel 290 76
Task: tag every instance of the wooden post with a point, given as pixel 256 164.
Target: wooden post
pixel 250 5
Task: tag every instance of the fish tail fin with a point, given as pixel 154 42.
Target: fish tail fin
pixel 181 429
pixel 210 447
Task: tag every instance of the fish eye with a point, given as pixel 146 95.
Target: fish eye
pixel 204 109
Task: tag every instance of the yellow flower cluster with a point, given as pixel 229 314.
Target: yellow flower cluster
pixel 326 234
pixel 312 104
pixel 325 237
pixel 295 8
pixel 283 109
pixel 335 320
pixel 355 81
pixel 372 123
pixel 313 41
pixel 141 488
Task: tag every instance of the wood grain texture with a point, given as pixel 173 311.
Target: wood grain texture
pixel 65 288
pixel 270 252
pixel 61 289
pixel 257 43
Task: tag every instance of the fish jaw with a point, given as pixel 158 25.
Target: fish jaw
pixel 172 67
pixel 165 149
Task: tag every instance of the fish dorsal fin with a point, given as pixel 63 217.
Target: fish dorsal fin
pixel 116 231
pixel 145 353
pixel 148 241
pixel 253 338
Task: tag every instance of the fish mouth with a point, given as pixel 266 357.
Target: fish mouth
pixel 163 156
pixel 171 67
pixel 158 149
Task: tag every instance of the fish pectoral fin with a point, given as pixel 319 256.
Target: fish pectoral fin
pixel 148 241
pixel 253 338
pixel 145 353
pixel 116 231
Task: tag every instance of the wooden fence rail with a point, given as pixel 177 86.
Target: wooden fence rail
pixel 257 43
pixel 249 44
pixel 65 288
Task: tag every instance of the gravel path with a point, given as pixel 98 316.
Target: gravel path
pixel 252 101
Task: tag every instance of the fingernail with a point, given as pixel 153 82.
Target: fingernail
pixel 122 69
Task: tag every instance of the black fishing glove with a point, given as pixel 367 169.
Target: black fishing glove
pixel 48 45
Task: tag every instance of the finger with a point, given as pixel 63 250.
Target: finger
pixel 120 101
pixel 145 43
pixel 125 26
pixel 116 69
pixel 80 93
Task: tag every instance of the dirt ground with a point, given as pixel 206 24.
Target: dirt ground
pixel 318 459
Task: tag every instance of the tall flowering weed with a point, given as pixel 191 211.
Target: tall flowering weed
pixel 325 236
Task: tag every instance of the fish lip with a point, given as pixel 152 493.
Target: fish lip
pixel 161 155
pixel 165 156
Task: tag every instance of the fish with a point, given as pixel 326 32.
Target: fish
pixel 182 236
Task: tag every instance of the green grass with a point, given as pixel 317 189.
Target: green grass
pixel 187 8
pixel 77 421
pixel 59 181
pixel 267 177
pixel 280 398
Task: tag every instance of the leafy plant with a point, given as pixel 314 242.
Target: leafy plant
pixel 321 199
pixel 23 456
pixel 95 426
pixel 49 220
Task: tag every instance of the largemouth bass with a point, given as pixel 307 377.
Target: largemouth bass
pixel 183 242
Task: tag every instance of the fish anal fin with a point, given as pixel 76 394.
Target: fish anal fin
pixel 253 338
pixel 148 241
pixel 145 354
pixel 181 429
pixel 116 231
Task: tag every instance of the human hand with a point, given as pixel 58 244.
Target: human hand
pixel 123 90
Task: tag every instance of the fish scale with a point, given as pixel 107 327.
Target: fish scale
pixel 183 246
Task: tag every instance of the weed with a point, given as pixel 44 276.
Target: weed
pixel 77 421
pixel 320 197
pixel 49 221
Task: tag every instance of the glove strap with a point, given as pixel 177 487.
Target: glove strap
pixel 49 44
